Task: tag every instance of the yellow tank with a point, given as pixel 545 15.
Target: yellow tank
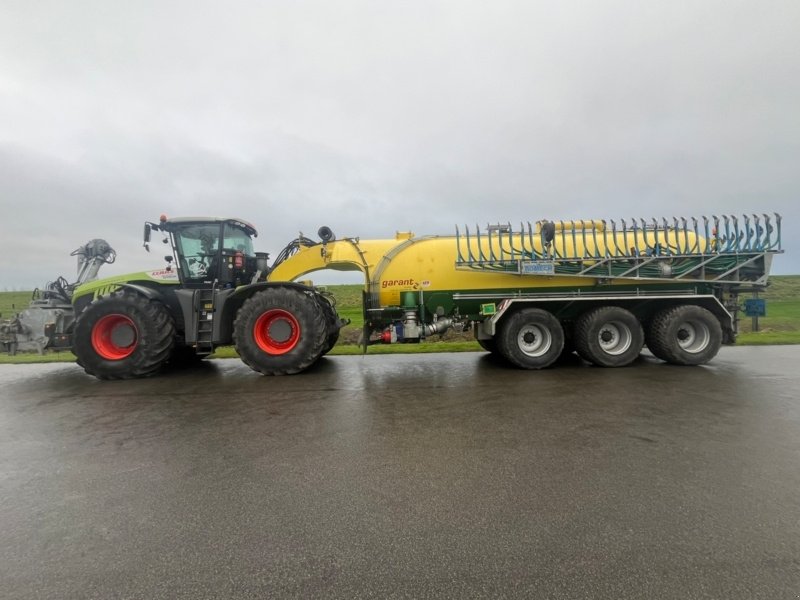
pixel 500 259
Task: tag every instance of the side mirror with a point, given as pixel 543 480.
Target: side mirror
pixel 147 230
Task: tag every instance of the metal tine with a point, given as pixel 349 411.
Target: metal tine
pixel 614 237
pixel 489 237
pixel 777 244
pixel 716 233
pixel 594 237
pixel 727 238
pixel 685 225
pixel 530 247
pixel 697 238
pixel 574 240
pixel 656 246
pixel 500 248
pixel 625 237
pixel 643 229
pixel 673 249
pixel 736 233
pixel 510 241
pixel 767 232
pixel 634 228
pixel 606 253
pixel 459 259
pixel 472 257
pixel 563 240
pixel 747 231
pixel 665 233
pixel 762 231
pixel 481 257
pixel 758 229
pixel 676 232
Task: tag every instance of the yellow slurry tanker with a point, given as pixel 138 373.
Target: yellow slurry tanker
pixel 529 293
pixel 603 288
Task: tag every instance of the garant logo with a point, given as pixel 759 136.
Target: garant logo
pixel 400 283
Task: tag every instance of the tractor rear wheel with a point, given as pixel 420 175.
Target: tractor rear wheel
pixel 280 331
pixel 609 336
pixel 531 338
pixel 684 335
pixel 123 336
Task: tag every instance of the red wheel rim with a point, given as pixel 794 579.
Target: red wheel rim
pixel 115 337
pixel 276 331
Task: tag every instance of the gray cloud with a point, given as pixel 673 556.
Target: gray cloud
pixel 376 117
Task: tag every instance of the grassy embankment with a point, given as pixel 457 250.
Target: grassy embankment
pixel 780 326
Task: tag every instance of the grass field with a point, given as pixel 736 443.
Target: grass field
pixel 780 326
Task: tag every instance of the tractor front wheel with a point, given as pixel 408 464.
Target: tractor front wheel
pixel 280 331
pixel 123 336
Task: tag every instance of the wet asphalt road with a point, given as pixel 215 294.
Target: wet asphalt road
pixel 438 476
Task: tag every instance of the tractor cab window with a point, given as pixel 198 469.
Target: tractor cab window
pixel 236 240
pixel 198 246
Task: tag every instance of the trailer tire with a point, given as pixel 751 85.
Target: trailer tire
pixel 685 335
pixel 123 336
pixel 609 336
pixel 280 331
pixel 530 338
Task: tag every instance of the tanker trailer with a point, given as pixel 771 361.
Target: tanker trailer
pixel 601 288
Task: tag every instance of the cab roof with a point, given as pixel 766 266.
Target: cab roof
pixel 249 228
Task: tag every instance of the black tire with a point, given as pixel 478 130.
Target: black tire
pixel 331 320
pixel 609 336
pixel 123 336
pixel 489 345
pixel 280 331
pixel 530 338
pixel 685 335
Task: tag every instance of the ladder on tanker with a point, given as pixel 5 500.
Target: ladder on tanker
pixel 716 249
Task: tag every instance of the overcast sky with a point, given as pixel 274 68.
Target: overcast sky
pixel 373 117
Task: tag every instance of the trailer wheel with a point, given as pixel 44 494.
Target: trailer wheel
pixel 280 331
pixel 685 335
pixel 531 338
pixel 609 336
pixel 123 336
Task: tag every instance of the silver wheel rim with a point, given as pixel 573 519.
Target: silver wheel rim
pixel 693 336
pixel 615 338
pixel 534 340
